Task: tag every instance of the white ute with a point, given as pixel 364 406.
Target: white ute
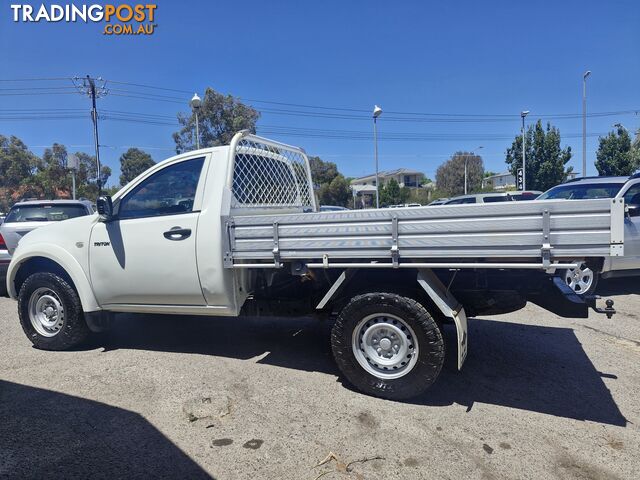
pixel 234 230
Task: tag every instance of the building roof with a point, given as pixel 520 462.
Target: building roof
pixel 388 173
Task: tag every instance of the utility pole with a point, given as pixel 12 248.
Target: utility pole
pixel 94 117
pixel 88 87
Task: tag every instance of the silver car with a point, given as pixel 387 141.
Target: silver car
pixel 479 198
pixel 584 280
pixel 29 215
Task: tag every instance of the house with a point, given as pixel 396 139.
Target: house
pixel 404 176
pixel 364 188
pixel 499 181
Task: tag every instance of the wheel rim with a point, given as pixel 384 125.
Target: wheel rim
pixel 579 279
pixel 385 346
pixel 46 312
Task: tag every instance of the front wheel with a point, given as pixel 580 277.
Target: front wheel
pixel 50 312
pixel 581 280
pixel 388 346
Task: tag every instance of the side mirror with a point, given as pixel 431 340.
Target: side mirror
pixel 633 210
pixel 104 206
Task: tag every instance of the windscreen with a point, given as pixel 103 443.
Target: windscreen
pixel 582 191
pixel 44 213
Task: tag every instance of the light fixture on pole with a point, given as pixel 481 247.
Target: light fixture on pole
pixel 584 122
pixel 377 111
pixel 523 114
pixel 196 103
pixel 466 160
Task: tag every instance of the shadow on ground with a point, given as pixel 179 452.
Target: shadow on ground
pixel 619 286
pixel 45 434
pixel 536 368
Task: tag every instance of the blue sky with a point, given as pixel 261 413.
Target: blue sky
pixel 462 57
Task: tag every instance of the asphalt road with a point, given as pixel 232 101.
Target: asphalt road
pixel 163 397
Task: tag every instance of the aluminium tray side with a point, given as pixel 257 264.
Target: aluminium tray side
pixel 513 229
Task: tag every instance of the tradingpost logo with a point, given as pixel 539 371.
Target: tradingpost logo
pixel 122 19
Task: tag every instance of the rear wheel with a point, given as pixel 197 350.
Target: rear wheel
pixel 50 312
pixel 388 345
pixel 582 280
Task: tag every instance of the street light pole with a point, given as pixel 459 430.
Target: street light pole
pixel 523 114
pixel 584 122
pixel 466 160
pixel 196 103
pixel 377 111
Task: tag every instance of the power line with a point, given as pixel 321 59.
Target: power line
pixel 34 79
pixel 150 86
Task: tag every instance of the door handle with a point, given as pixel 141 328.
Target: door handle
pixel 177 233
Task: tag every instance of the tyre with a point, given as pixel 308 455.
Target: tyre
pixel 387 345
pixel 50 312
pixel 581 280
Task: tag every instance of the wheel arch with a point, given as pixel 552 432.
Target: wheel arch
pixel 55 260
pixel 401 282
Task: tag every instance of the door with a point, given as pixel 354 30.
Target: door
pixel 631 258
pixel 147 254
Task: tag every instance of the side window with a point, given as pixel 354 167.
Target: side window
pixel 170 191
pixel 503 198
pixel 632 197
pixel 462 200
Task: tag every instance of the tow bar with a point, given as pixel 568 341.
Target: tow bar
pixel 609 311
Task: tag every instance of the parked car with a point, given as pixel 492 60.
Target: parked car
pixel 584 280
pixel 405 205
pixel 5 259
pixel 439 201
pixel 332 208
pixel 29 215
pixel 519 195
pixel 479 198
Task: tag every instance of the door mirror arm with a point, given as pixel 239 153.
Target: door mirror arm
pixel 104 205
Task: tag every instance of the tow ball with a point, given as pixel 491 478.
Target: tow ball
pixel 608 310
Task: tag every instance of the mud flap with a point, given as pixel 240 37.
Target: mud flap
pixel 449 307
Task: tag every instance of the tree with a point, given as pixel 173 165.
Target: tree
pixel 337 192
pixel 220 117
pixel 322 172
pixel 53 176
pixel 616 155
pixel 86 178
pixel 450 175
pixel 546 160
pixel 18 166
pixel 331 186
pixel 132 163
pixel 392 194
